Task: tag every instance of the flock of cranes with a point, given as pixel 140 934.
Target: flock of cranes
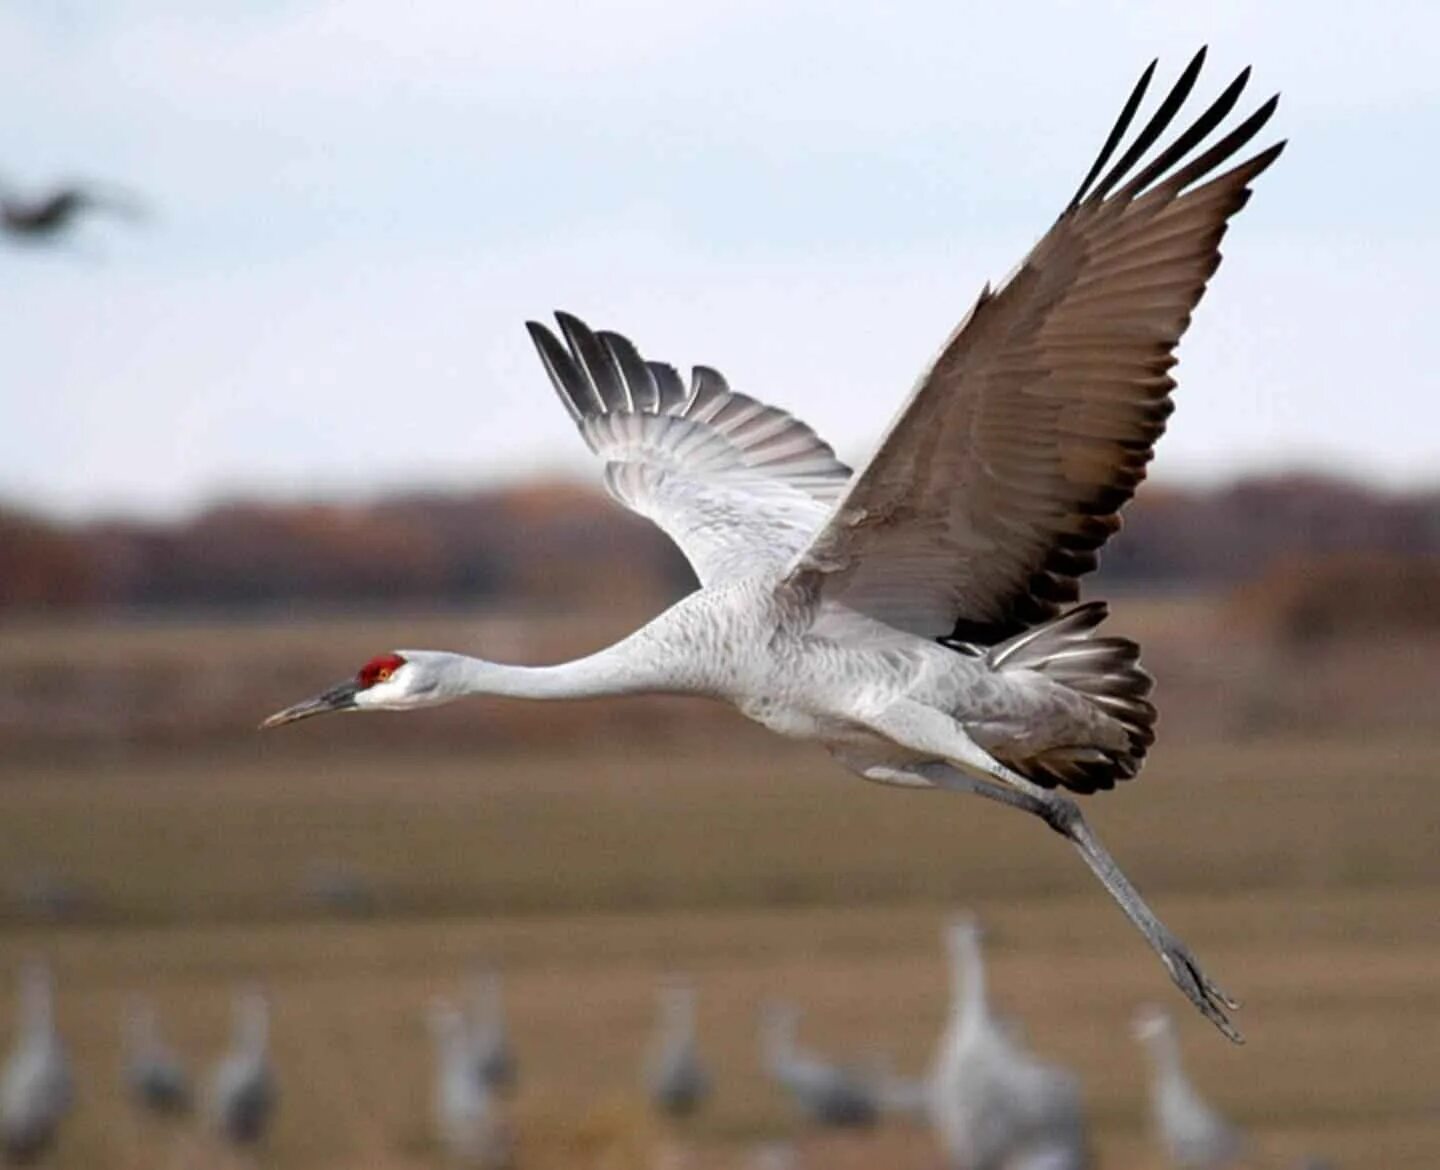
pixel 992 1102
pixel 36 1085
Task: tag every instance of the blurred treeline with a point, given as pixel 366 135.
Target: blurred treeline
pixel 545 544
pixel 560 545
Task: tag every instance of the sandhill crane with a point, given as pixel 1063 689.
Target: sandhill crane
pixel 992 1101
pixel 674 1073
pixel 468 1121
pixel 827 1093
pixel 243 1093
pixel 154 1074
pixel 43 217
pixel 910 617
pixel 1194 1135
pixel 491 1054
pixel 36 1090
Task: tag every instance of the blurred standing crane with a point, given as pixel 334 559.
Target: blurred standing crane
pixel 994 1104
pixel 827 1093
pixel 47 216
pixel 674 1073
pixel 911 617
pixel 490 1050
pixel 154 1074
pixel 243 1091
pixel 36 1090
pixel 468 1121
pixel 1194 1135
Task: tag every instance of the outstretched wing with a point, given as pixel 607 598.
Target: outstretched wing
pixel 741 487
pixel 1004 473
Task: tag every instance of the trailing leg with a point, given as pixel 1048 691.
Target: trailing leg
pixel 1064 816
pixel 969 768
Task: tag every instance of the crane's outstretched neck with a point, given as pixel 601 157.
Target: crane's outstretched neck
pixel 643 662
pixel 627 668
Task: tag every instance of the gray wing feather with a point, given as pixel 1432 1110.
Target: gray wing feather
pixel 740 486
pixel 1003 475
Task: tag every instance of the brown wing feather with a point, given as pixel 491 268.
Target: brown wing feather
pixel 1003 476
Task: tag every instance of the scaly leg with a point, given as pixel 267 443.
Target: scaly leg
pixel 972 769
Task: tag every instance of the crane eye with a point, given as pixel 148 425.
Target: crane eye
pixel 378 670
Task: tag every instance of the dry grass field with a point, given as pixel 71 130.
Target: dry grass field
pixel 1303 868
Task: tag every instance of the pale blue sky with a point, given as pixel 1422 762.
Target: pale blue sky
pixel 359 204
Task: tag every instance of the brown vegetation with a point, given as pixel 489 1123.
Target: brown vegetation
pixel 1318 601
pixel 558 545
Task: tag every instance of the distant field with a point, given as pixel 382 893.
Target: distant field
pixel 1304 869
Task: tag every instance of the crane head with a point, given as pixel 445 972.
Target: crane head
pixel 384 681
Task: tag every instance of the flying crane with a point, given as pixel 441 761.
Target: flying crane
pixel 912 616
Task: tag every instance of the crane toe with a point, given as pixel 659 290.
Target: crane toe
pixel 1199 988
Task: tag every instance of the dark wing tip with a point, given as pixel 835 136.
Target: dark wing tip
pixel 568 321
pixel 1117 131
pixel 601 377
pixel 1096 189
pixel 710 378
pixel 564 375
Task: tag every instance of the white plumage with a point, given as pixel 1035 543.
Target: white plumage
pixel 491 1052
pixel 468 1121
pixel 243 1093
pixel 912 617
pixel 676 1077
pixel 36 1089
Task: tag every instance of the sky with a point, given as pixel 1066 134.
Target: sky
pixel 356 205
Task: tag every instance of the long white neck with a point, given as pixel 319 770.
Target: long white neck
pixel 252 1020
pixel 1164 1049
pixel 636 665
pixel 778 1028
pixel 678 1017
pixel 970 999
pixel 490 1008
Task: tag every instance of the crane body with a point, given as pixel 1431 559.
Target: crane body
pixel 675 1075
pixel 154 1074
pixel 243 1091
pixel 36 1086
pixel 828 1093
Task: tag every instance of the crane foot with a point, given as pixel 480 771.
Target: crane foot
pixel 1199 988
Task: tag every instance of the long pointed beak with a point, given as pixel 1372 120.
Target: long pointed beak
pixel 340 697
